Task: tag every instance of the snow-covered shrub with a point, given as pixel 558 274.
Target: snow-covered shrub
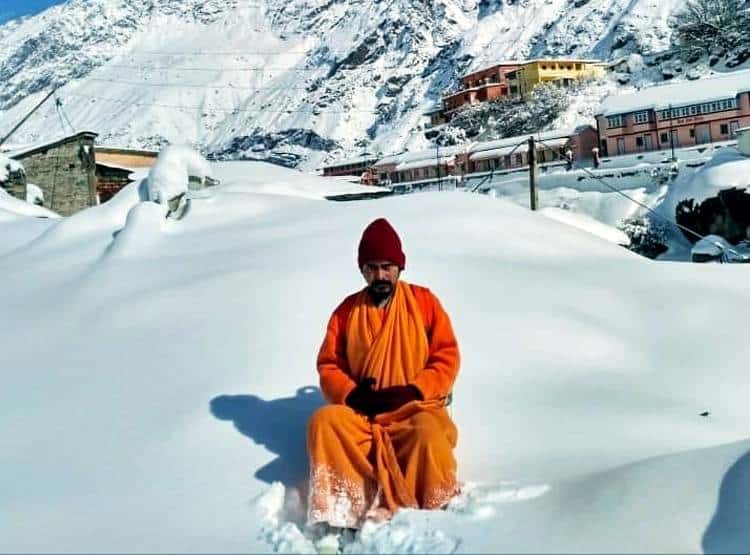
pixel 497 119
pixel 170 176
pixel 716 28
pixel 726 214
pixel 648 237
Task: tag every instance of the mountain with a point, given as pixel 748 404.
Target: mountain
pixel 297 82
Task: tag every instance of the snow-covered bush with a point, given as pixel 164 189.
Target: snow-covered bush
pixel 648 237
pixel 497 119
pixel 170 176
pixel 726 214
pixel 715 28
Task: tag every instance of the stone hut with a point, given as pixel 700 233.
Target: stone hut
pixel 65 170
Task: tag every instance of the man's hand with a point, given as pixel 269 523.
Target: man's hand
pixel 362 397
pixel 392 398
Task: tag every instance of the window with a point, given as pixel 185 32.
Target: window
pixel 614 121
pixel 639 141
pixel 693 110
pixel 692 133
pixel 664 138
pixel 506 160
pixel 544 67
pixel 519 159
pixel 641 117
pixel 724 129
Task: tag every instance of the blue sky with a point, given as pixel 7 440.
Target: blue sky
pixel 10 9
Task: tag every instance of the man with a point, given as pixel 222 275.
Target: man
pixel 387 366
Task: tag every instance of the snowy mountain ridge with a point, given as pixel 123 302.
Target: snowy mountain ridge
pixel 297 82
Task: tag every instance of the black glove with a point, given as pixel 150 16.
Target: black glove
pixel 392 398
pixel 362 397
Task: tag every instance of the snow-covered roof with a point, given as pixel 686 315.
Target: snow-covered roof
pixel 348 161
pixel 518 146
pixel 124 150
pixel 490 149
pixel 661 97
pixel 425 162
pixel 30 149
pixel 423 158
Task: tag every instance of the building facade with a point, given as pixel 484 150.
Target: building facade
pixel 480 86
pixel 513 152
pixel 562 71
pixel 457 162
pixel 65 171
pixel 675 115
pixel 354 166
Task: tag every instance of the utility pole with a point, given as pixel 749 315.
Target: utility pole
pixel 437 163
pixel 27 116
pixel 533 171
pixel 671 133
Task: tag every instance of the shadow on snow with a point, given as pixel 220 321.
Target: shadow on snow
pixel 729 529
pixel 279 425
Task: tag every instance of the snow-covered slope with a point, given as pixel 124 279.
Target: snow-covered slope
pixel 294 81
pixel 157 377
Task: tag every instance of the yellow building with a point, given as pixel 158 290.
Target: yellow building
pixel 559 70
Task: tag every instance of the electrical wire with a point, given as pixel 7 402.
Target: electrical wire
pixel 660 216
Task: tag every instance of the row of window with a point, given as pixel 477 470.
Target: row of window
pixel 696 109
pixel 644 116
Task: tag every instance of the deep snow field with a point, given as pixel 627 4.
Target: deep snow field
pixel 158 374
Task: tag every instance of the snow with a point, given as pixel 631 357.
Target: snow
pixel 725 169
pixel 8 166
pixel 177 386
pixel 168 177
pixel 587 223
pixel 662 97
pixel 11 208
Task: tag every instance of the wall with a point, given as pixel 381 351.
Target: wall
pixel 65 173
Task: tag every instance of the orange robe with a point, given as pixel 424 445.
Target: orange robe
pixel 362 467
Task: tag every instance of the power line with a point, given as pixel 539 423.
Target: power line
pixel 145 67
pixel 654 212
pixel 195 85
pixel 229 110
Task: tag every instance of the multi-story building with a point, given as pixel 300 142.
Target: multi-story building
pixel 456 162
pixel 352 166
pixel 513 152
pixel 563 71
pixel 675 115
pixel 480 86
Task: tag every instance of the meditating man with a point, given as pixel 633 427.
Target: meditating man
pixel 387 366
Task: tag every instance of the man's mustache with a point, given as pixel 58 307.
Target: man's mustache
pixel 381 283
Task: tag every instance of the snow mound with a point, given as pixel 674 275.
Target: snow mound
pixel 262 177
pixel 727 168
pixel 12 208
pixel 587 223
pixel 169 176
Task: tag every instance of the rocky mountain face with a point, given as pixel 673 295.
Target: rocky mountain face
pixel 299 82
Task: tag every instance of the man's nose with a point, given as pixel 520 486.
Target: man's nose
pixel 381 273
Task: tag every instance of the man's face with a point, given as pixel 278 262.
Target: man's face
pixel 381 276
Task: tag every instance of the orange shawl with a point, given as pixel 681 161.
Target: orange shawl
pixel 391 347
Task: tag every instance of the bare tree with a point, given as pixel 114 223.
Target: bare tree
pixel 705 27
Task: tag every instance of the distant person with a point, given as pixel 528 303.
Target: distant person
pixel 595 154
pixel 568 159
pixel 387 367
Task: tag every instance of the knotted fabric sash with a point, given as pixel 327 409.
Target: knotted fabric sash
pixel 391 347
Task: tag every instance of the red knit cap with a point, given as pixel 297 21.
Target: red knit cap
pixel 381 242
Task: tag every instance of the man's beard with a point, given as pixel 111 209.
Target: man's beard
pixel 379 290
